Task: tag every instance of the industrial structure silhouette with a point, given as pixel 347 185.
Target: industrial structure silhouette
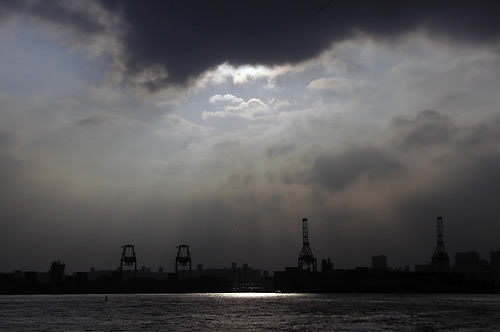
pixel 306 257
pixel 470 274
pixel 183 257
pixel 128 258
pixel 440 260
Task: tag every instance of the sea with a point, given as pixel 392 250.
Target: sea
pixel 250 312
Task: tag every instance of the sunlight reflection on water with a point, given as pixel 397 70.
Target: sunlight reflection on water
pixel 250 295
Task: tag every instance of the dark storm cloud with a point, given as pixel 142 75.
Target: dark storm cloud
pixel 337 171
pixel 187 38
pixel 427 128
pixel 167 43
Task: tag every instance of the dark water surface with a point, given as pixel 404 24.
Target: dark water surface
pixel 251 312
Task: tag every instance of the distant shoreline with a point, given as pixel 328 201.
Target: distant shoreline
pixel 283 281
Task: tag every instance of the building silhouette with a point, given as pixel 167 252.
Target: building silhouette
pixel 379 263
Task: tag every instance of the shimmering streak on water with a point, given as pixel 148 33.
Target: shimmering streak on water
pixel 250 295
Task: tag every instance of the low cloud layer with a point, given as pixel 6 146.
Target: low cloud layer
pixel 362 201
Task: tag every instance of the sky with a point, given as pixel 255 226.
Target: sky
pixel 221 124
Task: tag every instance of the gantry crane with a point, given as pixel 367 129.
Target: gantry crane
pixel 128 258
pixel 183 257
pixel 306 257
pixel 440 260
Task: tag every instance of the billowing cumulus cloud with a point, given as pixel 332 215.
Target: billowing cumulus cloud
pixel 227 97
pixel 251 109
